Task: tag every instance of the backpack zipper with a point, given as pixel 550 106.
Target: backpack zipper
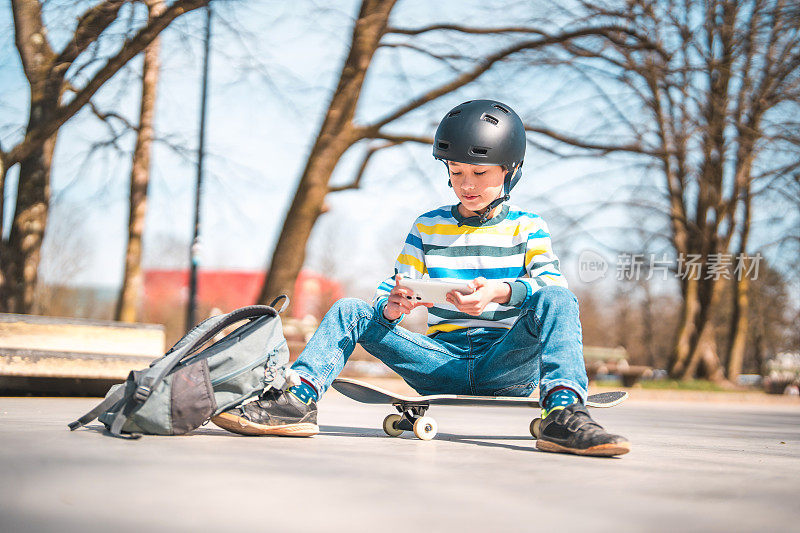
pixel 242 370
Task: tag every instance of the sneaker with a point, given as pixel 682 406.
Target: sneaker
pixel 276 412
pixel 572 430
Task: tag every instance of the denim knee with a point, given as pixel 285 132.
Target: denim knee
pixel 349 307
pixel 555 298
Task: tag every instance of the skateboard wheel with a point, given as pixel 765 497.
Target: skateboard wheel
pixel 536 426
pixel 390 425
pixel 425 428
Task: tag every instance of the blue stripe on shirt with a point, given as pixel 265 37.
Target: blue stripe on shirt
pixel 516 215
pixel 414 241
pixel 472 273
pixel 540 234
pixel 441 212
pixel 547 273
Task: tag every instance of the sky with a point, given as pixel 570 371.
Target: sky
pixel 269 86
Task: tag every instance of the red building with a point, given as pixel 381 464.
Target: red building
pixel 167 291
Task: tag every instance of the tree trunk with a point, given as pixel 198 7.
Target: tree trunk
pixel 22 253
pixel 3 252
pixel 760 352
pixel 741 285
pixel 739 328
pixel 336 135
pixel 710 367
pixel 686 329
pixel 128 301
pixel 704 348
pixel 648 326
pixel 3 172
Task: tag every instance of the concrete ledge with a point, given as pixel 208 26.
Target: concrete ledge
pixel 46 364
pixel 40 354
pixel 83 336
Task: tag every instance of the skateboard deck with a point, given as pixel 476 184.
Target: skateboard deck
pixel 367 393
pixel 412 409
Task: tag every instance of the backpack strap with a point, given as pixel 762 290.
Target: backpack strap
pixel 208 328
pixel 100 408
pixel 278 299
pixel 195 339
pixel 140 384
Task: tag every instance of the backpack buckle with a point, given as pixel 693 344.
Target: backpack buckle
pixel 141 394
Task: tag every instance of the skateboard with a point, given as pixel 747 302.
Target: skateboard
pixel 412 409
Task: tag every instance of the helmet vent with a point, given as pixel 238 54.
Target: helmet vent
pixel 490 119
pixel 453 113
pixel 501 108
pixel 443 145
pixel 479 151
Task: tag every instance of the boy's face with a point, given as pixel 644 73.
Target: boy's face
pixel 476 185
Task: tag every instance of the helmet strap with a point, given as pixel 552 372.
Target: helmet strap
pixel 489 208
pixel 486 213
pixel 507 182
pixel 503 197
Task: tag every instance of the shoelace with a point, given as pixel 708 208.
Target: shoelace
pixel 270 396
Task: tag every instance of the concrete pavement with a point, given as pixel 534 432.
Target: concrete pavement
pixel 694 467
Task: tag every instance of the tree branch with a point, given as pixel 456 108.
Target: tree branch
pixel 90 26
pixel 398 139
pixel 37 136
pixel 463 29
pixel 486 63
pixel 356 183
pixel 604 149
pixel 106 117
pixel 421 50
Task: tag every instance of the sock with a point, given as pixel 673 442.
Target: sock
pixel 558 398
pixel 305 392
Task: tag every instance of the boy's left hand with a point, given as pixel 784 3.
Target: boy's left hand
pixel 484 292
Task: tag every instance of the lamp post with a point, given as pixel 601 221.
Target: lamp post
pixel 194 250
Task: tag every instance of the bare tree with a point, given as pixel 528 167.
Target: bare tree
pixel 339 131
pixel 127 308
pixel 715 99
pixel 57 93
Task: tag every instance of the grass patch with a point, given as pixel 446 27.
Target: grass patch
pixel 674 384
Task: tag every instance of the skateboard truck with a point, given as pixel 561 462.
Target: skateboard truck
pixel 411 417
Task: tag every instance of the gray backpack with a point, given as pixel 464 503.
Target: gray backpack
pixel 182 390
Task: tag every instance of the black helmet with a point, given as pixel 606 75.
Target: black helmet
pixel 483 132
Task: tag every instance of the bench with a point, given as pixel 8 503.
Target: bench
pixel 601 361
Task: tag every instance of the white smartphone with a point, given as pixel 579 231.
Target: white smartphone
pixel 432 291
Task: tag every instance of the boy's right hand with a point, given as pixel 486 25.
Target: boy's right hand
pixel 398 304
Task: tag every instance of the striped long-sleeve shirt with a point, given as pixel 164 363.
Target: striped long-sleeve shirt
pixel 514 247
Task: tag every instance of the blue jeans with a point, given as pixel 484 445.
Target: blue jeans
pixel 543 347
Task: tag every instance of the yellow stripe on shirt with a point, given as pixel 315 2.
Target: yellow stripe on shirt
pixel 443 327
pixel 454 229
pixel 533 252
pixel 413 262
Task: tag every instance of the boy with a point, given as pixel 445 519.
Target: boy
pixel 519 327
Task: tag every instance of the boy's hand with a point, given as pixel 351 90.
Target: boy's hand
pixel 398 304
pixel 484 292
